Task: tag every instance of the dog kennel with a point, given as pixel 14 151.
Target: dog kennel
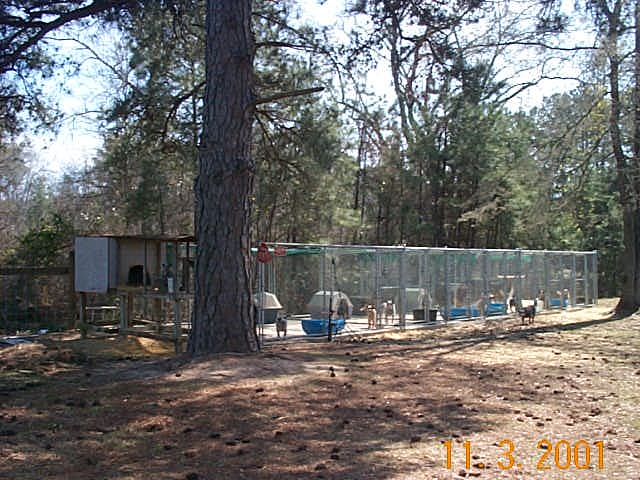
pixel 427 284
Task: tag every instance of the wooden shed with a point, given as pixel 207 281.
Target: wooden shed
pixel 152 277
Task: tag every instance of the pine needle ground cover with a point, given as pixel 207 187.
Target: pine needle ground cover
pixel 554 400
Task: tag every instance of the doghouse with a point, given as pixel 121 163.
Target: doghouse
pixel 318 306
pixel 269 304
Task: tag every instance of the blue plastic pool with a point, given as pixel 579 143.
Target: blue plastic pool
pixel 463 312
pixel 496 309
pixel 557 302
pixel 315 326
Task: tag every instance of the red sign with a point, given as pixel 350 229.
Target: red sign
pixel 264 256
pixel 280 251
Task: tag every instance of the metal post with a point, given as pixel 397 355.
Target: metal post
pixel 123 313
pixel 145 273
pixel 144 282
pixel 595 277
pixel 519 292
pixel 377 279
pixel 5 308
pixel 547 294
pixel 333 271
pixel 446 285
pixel 466 282
pixel 187 275
pixel 426 285
pixel 585 279
pixel 323 273
pixel 364 277
pixel 505 282
pixel 420 270
pixel 403 291
pixel 83 314
pixel 260 304
pixel 72 294
pixel 573 280
pixel 177 323
pixel 485 284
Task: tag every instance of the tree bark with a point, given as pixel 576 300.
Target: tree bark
pixel 223 318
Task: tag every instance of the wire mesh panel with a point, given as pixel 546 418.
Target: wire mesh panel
pixel 460 295
pixel 558 280
pixel 476 293
pixel 352 272
pixel 497 282
pixel 391 270
pixel 423 272
pixel 436 287
pixel 533 278
pixel 418 283
pixel 591 278
pixel 296 276
pixel 36 298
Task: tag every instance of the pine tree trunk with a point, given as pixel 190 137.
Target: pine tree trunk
pixel 628 171
pixel 630 181
pixel 223 319
pixel 630 294
pixel 627 168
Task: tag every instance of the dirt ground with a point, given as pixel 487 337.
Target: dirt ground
pixel 506 401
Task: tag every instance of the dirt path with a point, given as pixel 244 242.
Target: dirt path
pixel 506 401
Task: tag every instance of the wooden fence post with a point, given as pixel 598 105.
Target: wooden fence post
pixel 72 295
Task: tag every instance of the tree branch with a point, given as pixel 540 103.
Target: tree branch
pixel 176 104
pixel 521 43
pixel 279 44
pixel 289 94
pixel 10 57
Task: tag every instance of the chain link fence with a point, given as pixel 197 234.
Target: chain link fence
pixel 35 299
pixel 415 284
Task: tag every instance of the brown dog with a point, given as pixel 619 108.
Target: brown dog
pixel 528 312
pixel 281 326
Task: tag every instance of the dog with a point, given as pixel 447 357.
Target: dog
pixel 389 310
pixel 343 308
pixel 566 297
pixel 494 325
pixel 371 315
pixel 281 326
pixel 528 312
pixel 540 300
pixel 511 302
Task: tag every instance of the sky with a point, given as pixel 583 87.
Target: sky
pixel 79 96
pixel 78 140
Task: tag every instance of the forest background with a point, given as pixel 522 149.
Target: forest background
pixel 444 159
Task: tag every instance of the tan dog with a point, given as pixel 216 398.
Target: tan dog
pixel 389 310
pixel 371 315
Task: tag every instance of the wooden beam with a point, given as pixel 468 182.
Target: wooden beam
pixel 58 270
